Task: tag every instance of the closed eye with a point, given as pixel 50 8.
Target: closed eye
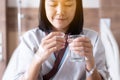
pixel 69 4
pixel 52 4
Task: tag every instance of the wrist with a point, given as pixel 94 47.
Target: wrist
pixel 90 63
pixel 91 71
pixel 37 58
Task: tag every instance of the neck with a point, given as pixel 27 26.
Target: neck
pixel 60 30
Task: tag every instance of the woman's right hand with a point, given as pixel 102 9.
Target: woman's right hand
pixel 49 44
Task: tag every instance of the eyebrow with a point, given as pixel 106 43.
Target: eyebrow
pixel 69 0
pixel 53 0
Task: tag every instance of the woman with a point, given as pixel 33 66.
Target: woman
pixel 38 56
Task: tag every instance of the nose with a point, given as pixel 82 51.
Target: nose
pixel 60 9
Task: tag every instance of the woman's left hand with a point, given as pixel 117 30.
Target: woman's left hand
pixel 83 47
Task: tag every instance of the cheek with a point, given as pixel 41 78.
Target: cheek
pixel 71 14
pixel 49 13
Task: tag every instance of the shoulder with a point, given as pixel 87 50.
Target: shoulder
pixel 32 37
pixel 33 34
pixel 90 32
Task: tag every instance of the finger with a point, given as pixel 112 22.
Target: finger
pixel 82 39
pixel 54 34
pixel 86 54
pixel 89 57
pixel 56 38
pixel 80 44
pixel 51 50
pixel 85 49
pixel 69 40
pixel 55 44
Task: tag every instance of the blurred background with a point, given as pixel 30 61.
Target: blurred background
pixel 18 16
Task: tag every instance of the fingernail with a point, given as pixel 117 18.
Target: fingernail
pixel 62 34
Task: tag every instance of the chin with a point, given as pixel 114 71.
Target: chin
pixel 60 28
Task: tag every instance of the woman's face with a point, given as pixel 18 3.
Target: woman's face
pixel 60 13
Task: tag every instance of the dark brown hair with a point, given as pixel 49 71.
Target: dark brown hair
pixel 75 26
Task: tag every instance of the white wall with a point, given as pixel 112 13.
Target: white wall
pixel 25 3
pixel 35 3
pixel 91 3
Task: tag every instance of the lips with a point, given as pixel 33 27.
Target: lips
pixel 60 18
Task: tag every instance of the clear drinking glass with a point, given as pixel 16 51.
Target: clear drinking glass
pixel 73 56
